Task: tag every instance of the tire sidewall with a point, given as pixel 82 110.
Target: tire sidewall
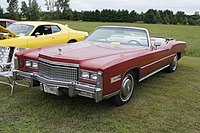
pixel 171 67
pixel 118 100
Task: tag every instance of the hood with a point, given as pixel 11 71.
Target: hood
pixel 87 54
pixel 4 30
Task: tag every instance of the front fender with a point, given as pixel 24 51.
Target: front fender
pixel 20 42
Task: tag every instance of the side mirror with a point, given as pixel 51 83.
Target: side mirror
pixel 37 34
pixel 157 43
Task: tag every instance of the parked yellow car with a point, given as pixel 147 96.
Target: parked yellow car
pixel 22 35
pixel 36 34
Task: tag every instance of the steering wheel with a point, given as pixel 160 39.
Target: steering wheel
pixel 134 42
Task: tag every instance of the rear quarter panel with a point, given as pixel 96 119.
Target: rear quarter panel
pixel 178 47
pixel 77 35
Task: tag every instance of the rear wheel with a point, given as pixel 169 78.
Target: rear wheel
pixel 126 92
pixel 173 65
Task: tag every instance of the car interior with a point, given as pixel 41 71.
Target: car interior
pixel 42 30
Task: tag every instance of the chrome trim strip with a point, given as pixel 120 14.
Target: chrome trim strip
pixel 64 84
pixel 52 82
pixel 58 63
pixel 24 74
pixel 16 63
pixel 153 73
pixel 111 94
pixel 99 90
pixel 157 61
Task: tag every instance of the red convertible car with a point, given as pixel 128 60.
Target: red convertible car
pixel 108 64
pixel 6 22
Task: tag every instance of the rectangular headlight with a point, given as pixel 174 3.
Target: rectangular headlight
pixel 35 64
pixel 31 64
pixel 93 76
pixel 28 63
pixel 88 75
pixel 85 75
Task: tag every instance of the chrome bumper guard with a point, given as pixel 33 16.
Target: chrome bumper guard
pixel 74 87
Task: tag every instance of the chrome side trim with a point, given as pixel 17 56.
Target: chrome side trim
pixel 58 63
pixel 153 73
pixel 111 94
pixel 157 61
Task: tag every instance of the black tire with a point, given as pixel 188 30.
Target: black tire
pixel 173 65
pixel 127 89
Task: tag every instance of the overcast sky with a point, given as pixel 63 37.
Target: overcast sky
pixel 188 6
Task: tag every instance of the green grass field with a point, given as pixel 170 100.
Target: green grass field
pixel 166 102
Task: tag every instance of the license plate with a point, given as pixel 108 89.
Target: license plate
pixel 51 89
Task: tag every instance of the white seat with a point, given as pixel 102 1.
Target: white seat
pixel 7 66
pixel 6 74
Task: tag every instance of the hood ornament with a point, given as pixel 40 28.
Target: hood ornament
pixel 60 51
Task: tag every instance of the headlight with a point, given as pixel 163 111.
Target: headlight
pixel 88 75
pixel 93 76
pixel 28 63
pixel 31 64
pixel 35 64
pixel 85 75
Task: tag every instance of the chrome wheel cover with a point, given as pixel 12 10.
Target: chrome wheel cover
pixel 175 63
pixel 127 88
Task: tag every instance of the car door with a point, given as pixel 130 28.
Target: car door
pixel 59 36
pixel 42 36
pixel 156 58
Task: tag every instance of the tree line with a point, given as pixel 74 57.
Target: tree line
pixel 60 10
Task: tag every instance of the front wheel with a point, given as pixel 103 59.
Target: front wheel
pixel 126 92
pixel 173 65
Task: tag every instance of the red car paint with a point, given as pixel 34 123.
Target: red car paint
pixel 10 21
pixel 111 59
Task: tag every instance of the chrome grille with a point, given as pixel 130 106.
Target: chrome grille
pixel 57 72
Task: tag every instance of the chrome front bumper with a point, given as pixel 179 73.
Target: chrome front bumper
pixel 74 87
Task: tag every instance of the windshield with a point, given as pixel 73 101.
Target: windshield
pixel 117 35
pixel 21 29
